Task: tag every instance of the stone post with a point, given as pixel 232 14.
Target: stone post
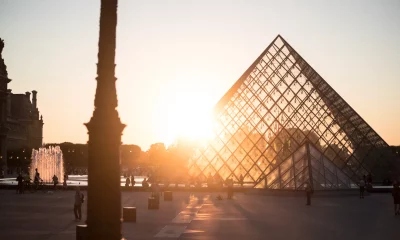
pixel 105 130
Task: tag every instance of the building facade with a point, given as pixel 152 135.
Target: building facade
pixel 21 126
pixel 25 125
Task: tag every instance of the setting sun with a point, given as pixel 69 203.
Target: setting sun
pixel 186 113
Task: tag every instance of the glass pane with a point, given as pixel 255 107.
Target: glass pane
pixel 272 176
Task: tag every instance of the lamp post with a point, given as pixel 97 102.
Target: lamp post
pixel 105 130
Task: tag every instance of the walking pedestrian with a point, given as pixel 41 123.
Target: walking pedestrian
pixel 127 181
pixel 36 179
pixel 396 197
pixel 308 193
pixel 79 199
pixel 65 181
pixel 241 180
pixel 229 183
pixel 55 181
pixel 362 188
pixel 133 181
pixel 20 180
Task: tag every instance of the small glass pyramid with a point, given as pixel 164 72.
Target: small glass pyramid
pixel 306 165
pixel 262 125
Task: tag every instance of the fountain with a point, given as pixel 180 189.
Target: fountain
pixel 49 162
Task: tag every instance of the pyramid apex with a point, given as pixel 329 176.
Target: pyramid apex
pixel 280 37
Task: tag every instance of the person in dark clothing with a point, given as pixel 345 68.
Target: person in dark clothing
pixel 308 193
pixel 241 180
pixel 369 178
pixel 78 204
pixel 229 183
pixel 396 198
pixel 36 179
pixel 20 180
pixel 65 180
pixel 128 182
pixel 145 184
pixel 55 181
pixel 362 188
pixel 133 181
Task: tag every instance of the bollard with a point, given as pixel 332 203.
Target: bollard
pixel 81 232
pixel 129 214
pixel 168 196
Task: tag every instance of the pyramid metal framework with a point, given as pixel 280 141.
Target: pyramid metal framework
pixel 279 104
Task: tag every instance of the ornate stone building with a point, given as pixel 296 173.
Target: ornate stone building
pixel 25 126
pixel 20 125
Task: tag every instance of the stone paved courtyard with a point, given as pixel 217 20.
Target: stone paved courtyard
pixel 48 216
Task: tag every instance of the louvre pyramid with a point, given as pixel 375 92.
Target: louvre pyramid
pixel 279 104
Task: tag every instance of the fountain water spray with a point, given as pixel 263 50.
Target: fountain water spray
pixel 49 162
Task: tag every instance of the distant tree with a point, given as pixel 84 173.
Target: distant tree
pixel 157 154
pixel 130 155
pixel 143 159
pixel 179 155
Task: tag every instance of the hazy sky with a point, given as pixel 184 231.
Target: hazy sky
pixel 175 59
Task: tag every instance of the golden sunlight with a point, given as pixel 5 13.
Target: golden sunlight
pixel 186 113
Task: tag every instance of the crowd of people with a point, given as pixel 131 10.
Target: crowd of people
pixel 24 181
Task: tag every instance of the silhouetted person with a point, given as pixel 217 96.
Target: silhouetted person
pixel 362 188
pixel 79 198
pixel 133 181
pixel 369 178
pixel 37 178
pixel 127 181
pixel 396 197
pixel 229 183
pixel 309 192
pixel 20 180
pixel 145 184
pixel 65 180
pixel 156 191
pixel 55 181
pixel 241 180
pixel 27 180
pixel 198 182
pixel 218 182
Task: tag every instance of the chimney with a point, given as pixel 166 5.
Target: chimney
pixel 34 93
pixel 28 94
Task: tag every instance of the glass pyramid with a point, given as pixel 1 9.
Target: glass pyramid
pixel 262 125
pixel 306 165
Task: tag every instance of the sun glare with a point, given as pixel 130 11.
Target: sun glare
pixel 187 114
